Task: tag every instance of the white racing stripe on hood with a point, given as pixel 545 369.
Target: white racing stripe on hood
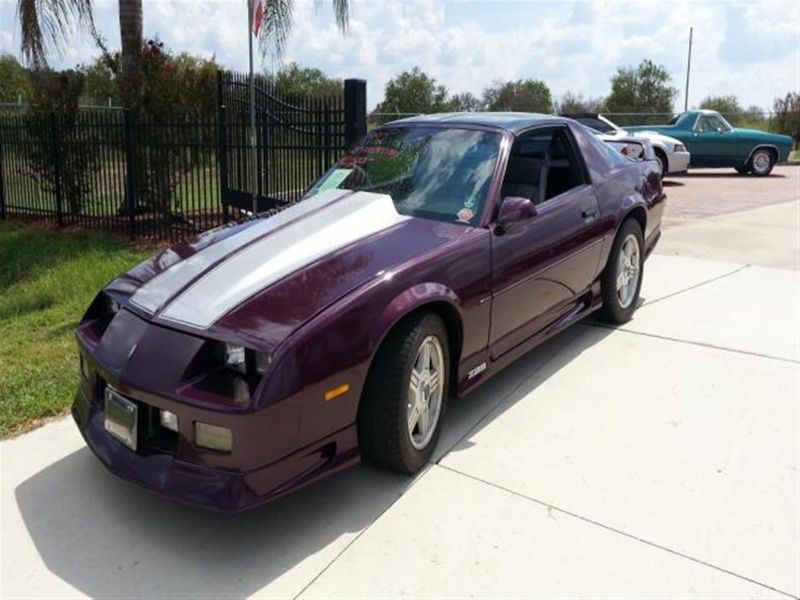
pixel 156 292
pixel 277 255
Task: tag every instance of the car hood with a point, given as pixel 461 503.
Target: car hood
pixel 259 281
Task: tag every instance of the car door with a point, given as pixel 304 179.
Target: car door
pixel 712 142
pixel 541 266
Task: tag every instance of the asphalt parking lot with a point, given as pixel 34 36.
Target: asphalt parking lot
pixel 656 460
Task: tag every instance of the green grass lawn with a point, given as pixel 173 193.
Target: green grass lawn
pixel 47 280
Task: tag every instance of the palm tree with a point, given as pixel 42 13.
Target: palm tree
pixel 46 25
pixel 130 33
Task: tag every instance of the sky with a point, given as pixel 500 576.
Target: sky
pixel 747 48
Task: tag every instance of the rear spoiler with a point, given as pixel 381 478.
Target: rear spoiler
pixel 634 148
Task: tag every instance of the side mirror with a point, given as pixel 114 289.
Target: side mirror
pixel 514 209
pixel 720 130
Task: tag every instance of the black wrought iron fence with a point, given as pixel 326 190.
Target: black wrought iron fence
pixel 172 176
pixel 112 170
pixel 297 138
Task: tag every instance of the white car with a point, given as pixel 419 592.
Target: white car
pixel 671 154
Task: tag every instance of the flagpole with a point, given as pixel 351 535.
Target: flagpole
pixel 253 149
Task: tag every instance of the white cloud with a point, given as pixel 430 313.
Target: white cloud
pixel 750 49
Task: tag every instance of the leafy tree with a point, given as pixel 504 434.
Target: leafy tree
pixel 100 81
pixel 172 84
pixel 575 103
pixel 787 115
pixel 15 81
pixel 294 80
pixel 727 106
pixel 413 92
pixel 754 113
pixel 645 89
pixel 464 102
pixel 526 95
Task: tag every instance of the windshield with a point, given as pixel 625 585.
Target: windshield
pixel 429 172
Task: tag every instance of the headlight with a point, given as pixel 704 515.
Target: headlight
pixel 680 148
pixel 246 361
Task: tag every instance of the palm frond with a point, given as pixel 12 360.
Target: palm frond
pixel 46 26
pixel 341 10
pixel 277 24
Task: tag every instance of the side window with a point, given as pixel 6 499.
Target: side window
pixel 564 170
pixel 710 124
pixel 542 165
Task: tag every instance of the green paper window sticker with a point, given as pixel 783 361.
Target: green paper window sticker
pixel 335 179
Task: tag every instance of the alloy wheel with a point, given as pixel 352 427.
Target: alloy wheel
pixel 425 392
pixel 628 271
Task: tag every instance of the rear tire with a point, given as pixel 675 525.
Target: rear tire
pixel 761 163
pixel 622 278
pixel 403 383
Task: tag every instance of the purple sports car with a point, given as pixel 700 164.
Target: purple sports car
pixel 267 354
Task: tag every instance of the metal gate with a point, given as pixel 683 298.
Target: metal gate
pixel 297 139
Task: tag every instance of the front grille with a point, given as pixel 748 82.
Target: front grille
pixel 153 438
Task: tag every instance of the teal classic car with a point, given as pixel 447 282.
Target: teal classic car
pixel 713 142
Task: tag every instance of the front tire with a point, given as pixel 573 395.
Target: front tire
pixel 622 277
pixel 405 396
pixel 761 163
pixel 663 163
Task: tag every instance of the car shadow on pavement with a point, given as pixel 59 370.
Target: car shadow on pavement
pixel 725 174
pixel 672 183
pixel 107 537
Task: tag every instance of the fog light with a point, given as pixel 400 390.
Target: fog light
pixel 213 437
pixel 169 420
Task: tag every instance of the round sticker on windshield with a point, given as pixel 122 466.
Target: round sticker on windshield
pixel 465 215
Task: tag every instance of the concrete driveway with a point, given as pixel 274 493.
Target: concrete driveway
pixel 656 460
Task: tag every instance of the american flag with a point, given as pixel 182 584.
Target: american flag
pixel 257 7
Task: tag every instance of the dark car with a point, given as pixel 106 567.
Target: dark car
pixel 713 142
pixel 269 353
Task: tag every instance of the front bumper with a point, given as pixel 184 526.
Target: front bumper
pixel 678 162
pixel 219 489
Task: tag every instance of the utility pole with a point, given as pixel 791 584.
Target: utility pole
pixel 688 70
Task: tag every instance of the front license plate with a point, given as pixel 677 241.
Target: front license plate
pixel 121 417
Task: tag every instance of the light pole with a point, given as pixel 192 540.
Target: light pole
pixel 688 70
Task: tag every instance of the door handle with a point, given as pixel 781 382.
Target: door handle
pixel 589 215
